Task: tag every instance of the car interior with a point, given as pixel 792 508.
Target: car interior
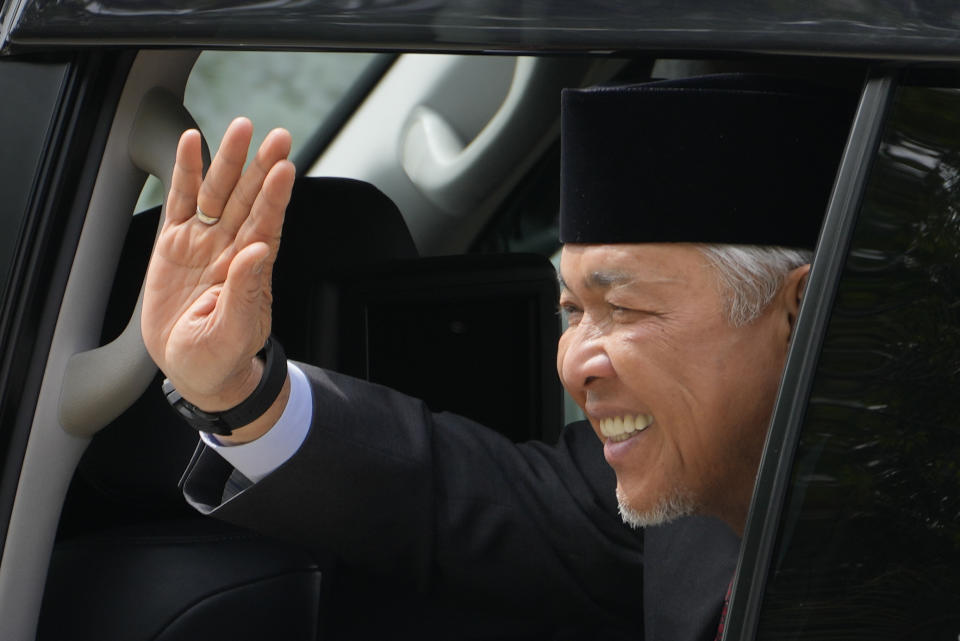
pixel 353 293
pixel 417 254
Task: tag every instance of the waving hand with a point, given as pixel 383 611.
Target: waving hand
pixel 207 300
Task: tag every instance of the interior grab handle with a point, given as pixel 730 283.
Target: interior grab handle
pixel 456 175
pixel 99 384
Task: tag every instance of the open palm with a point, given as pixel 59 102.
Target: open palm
pixel 207 296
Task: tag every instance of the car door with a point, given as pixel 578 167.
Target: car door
pixel 855 527
pixel 55 116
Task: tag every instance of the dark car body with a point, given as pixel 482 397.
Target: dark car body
pixel 854 531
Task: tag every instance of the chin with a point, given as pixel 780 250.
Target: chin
pixel 678 503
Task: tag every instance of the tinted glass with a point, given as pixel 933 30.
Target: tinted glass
pixel 869 544
pixel 28 93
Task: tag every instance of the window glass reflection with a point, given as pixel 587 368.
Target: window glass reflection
pixel 869 544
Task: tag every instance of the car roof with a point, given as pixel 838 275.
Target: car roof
pixel 886 29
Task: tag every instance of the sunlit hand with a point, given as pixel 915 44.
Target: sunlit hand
pixel 207 299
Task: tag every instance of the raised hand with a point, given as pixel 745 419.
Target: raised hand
pixel 207 299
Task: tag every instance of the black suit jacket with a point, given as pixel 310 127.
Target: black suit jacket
pixel 499 540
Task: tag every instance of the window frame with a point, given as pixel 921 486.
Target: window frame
pixel 774 475
pixel 89 88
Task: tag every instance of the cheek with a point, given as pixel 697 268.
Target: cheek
pixel 644 356
pixel 674 379
pixel 563 369
pixel 562 346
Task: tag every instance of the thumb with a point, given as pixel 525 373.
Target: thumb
pixel 244 302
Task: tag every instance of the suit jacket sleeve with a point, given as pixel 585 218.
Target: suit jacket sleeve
pixel 445 504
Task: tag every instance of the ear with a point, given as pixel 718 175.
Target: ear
pixel 794 287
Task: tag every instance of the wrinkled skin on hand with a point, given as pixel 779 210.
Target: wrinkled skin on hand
pixel 207 300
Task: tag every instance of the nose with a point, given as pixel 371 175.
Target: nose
pixel 583 359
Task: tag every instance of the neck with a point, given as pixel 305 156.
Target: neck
pixel 734 512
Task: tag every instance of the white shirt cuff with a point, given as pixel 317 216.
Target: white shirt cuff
pixel 258 458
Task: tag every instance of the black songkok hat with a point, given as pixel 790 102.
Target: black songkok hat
pixel 732 158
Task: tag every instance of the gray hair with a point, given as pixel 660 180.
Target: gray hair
pixel 751 275
pixel 678 503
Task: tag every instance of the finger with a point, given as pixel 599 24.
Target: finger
pixel 243 307
pixel 226 168
pixel 265 222
pixel 187 176
pixel 274 149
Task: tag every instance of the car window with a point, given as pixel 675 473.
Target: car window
pixel 29 95
pixel 295 90
pixel 869 540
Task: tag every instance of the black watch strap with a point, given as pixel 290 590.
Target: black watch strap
pixel 223 423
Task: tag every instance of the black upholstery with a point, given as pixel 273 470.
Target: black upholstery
pixel 190 579
pixel 350 295
pixel 475 335
pixel 333 226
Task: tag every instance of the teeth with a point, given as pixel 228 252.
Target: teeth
pixel 620 428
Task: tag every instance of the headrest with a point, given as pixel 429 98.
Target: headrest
pixel 731 158
pixel 336 223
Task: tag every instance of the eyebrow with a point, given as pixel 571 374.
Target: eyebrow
pixel 608 279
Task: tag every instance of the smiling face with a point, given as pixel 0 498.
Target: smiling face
pixel 679 396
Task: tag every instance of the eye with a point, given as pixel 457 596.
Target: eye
pixel 570 313
pixel 619 312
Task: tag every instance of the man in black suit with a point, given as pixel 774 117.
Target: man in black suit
pixel 681 281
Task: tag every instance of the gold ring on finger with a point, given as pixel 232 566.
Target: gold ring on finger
pixel 206 220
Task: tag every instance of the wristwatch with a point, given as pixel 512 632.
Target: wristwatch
pixel 223 423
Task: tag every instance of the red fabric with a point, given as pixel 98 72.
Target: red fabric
pixel 723 612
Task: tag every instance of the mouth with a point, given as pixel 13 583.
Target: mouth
pixel 620 428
